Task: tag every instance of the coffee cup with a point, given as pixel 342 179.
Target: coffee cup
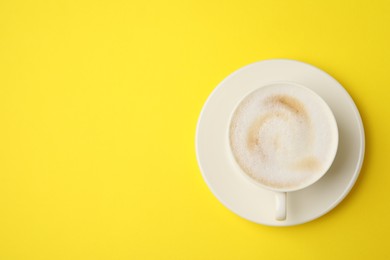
pixel 283 137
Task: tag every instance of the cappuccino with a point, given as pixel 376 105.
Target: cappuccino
pixel 283 136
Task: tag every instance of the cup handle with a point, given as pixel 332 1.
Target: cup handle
pixel 281 206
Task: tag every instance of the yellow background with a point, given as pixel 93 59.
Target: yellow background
pixel 98 106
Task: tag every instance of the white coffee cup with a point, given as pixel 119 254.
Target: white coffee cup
pixel 283 137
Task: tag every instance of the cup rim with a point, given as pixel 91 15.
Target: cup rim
pixel 334 148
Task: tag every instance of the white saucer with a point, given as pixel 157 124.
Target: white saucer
pixel 248 200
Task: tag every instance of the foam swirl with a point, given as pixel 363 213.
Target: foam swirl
pixel 275 138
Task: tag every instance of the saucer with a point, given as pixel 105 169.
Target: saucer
pixel 250 201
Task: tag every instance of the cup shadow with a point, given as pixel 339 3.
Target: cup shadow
pixel 366 163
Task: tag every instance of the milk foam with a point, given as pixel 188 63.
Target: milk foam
pixel 283 136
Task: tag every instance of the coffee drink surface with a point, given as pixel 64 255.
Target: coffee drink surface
pixel 283 136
